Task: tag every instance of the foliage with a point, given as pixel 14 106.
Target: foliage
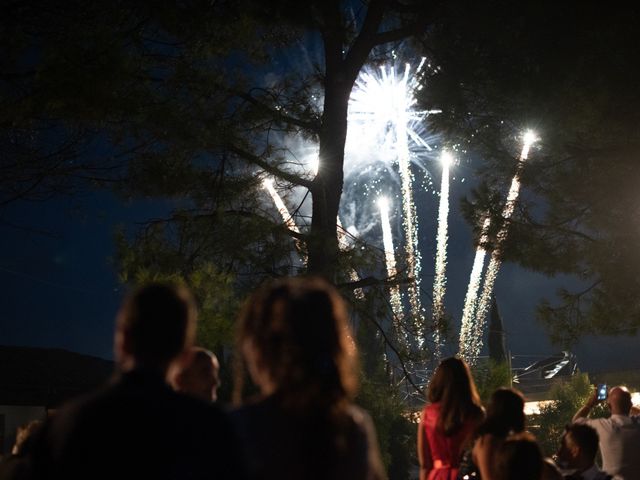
pixel 562 70
pixel 396 431
pixel 490 375
pixel 394 425
pixel 569 397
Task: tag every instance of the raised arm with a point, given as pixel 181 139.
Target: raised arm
pixel 586 408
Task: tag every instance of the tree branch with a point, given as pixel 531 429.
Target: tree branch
pixel 374 282
pixel 400 33
pixel 267 167
pixel 313 127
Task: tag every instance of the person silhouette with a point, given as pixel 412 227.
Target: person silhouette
pixel 137 426
pixel 297 346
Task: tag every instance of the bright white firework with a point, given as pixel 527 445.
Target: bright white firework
pixel 467 327
pixel 440 280
pixel 390 260
pixel 382 108
pixel 495 262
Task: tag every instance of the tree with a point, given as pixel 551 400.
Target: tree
pixel 564 70
pixel 175 81
pixel 189 102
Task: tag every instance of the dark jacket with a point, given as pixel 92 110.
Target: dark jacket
pixel 286 445
pixel 137 427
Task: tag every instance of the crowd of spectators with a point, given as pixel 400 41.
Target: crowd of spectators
pixel 158 416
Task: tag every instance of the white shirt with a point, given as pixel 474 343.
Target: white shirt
pixel 619 444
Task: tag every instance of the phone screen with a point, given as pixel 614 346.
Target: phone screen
pixel 602 392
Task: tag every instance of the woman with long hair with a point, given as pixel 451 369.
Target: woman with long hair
pixel 505 426
pixel 448 421
pixel 505 416
pixel 295 342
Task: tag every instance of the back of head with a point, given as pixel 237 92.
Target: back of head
pixel 298 330
pixel 519 458
pixel 196 373
pixel 619 400
pixel 155 324
pixel 585 438
pixel 505 413
pixel 453 387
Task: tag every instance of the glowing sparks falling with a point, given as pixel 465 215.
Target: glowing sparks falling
pixel 495 262
pixel 390 260
pixel 467 327
pixel 402 103
pixel 382 113
pixel 343 244
pixel 440 280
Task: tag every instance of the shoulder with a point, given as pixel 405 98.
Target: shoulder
pixel 199 414
pixel 82 409
pixel 431 410
pixel 366 431
pixel 360 418
pixel 592 422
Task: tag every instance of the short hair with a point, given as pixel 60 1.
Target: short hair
pixel 620 398
pixel 203 355
pixel 159 319
pixel 585 437
pixel 519 458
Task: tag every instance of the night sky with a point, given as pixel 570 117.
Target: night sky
pixel 61 289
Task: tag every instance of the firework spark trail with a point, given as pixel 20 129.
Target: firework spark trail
pixel 343 244
pixel 409 220
pixel 495 262
pixel 440 280
pixel 390 259
pixel 381 111
pixel 267 183
pixel 467 328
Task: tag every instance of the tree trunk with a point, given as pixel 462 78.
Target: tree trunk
pixel 327 186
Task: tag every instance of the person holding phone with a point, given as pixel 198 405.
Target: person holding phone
pixel 619 434
pixel 602 392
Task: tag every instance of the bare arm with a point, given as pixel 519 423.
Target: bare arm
pixel 424 452
pixel 483 452
pixel 584 411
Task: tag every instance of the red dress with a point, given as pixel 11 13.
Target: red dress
pixel 445 452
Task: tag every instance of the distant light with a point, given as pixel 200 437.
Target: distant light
pixel 530 137
pixel 314 163
pixel 446 158
pixel 383 203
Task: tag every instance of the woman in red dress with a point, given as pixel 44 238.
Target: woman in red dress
pixel 448 421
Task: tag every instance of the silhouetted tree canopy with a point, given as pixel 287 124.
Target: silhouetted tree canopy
pixel 569 71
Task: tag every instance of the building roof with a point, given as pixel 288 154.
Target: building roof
pixel 48 376
pixel 536 380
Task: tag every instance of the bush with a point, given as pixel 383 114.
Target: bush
pixel 394 427
pixel 569 397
